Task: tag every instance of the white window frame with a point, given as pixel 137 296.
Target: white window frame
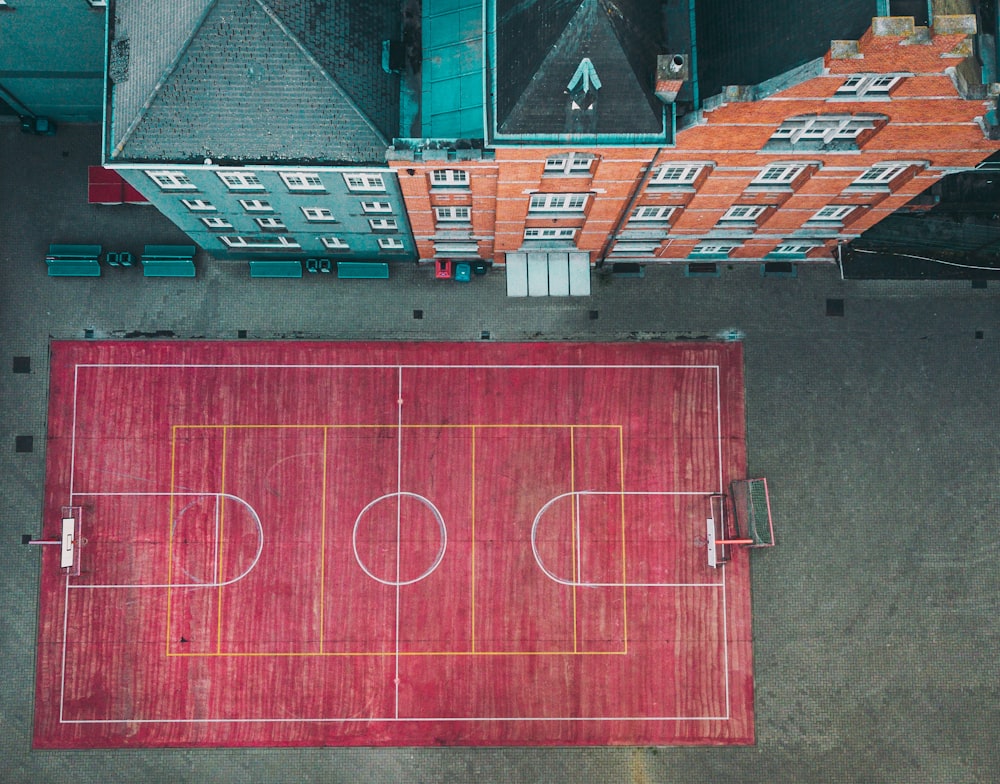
pixel 713 249
pixel 449 178
pixel 867 85
pixel 792 250
pixel 376 206
pixel 880 174
pixel 558 202
pixel 240 180
pixel 199 205
pixel 271 224
pixel 578 163
pixel 778 174
pixel 383 224
pixel 554 233
pixel 169 180
pixel 277 242
pixel 334 243
pixel 302 181
pixel 833 213
pixel 318 215
pixel 256 205
pixel 677 174
pixel 743 212
pixel 645 212
pixel 374 183
pixel 390 243
pixel 823 128
pixel 459 213
pixel 216 222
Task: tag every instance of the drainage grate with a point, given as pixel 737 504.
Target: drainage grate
pixel 241 334
pixel 980 284
pixel 979 334
pixel 22 364
pixel 24 443
pixel 88 333
pixel 835 307
pixel 418 314
pixel 484 335
pixel 594 314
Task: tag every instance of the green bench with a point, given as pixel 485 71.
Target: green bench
pixel 362 269
pixel 168 261
pixel 275 269
pixel 74 261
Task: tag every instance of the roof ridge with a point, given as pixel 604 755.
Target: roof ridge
pixel 326 74
pixel 141 114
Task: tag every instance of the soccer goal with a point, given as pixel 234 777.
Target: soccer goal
pixel 751 506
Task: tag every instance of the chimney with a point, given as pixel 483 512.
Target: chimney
pixel 671 73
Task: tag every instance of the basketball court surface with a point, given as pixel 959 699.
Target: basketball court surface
pixel 329 544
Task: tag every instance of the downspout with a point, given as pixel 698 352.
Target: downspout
pixel 107 91
pixel 694 57
pixel 613 234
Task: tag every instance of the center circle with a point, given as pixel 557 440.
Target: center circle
pixel 387 520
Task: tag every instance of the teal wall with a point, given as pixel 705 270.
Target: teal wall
pixel 351 221
pixel 52 57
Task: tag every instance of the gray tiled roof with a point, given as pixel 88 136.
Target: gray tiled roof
pixel 243 86
pixel 539 47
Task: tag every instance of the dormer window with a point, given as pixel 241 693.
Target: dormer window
pixel 557 202
pixel 645 213
pixel 779 174
pixel 677 174
pixel 880 175
pixel 172 180
pixel 823 131
pixel 241 181
pixel 867 86
pixel 744 213
pixel 571 163
pixel 835 213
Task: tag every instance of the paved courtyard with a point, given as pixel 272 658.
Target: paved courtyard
pixel 876 619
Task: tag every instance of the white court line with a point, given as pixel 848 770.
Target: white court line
pixel 237 499
pixel 399 521
pixel 393 720
pixel 396 718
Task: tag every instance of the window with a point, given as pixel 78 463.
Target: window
pixel 867 86
pixel 280 242
pixel 450 177
pixel 215 222
pixel 677 174
pixel 98 3
pixel 334 243
pixel 558 202
pixel 383 224
pixel 713 250
pixel 651 213
pixel 256 205
pixel 743 212
pixel 318 214
pixel 172 180
pixel 791 249
pixel 364 182
pixel 390 243
pixel 270 224
pixel 833 213
pixel 571 163
pixel 818 130
pixel 302 181
pixel 198 205
pixel 880 174
pixel 549 234
pixel 376 206
pixel 241 181
pixel 778 174
pixel 452 213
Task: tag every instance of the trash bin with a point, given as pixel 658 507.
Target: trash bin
pixel 463 272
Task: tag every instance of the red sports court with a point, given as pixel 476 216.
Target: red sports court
pixel 331 544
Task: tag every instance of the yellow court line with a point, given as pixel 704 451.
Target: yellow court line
pixel 472 516
pixel 621 487
pixel 322 549
pixel 391 654
pixel 170 528
pixel 572 523
pixel 443 426
pixel 222 518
